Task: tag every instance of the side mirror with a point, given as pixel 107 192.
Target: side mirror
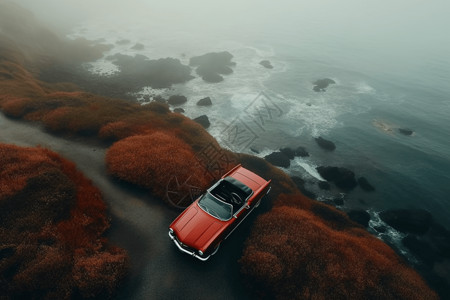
pixel 247 206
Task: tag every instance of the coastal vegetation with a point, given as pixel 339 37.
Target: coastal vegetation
pixel 52 224
pixel 53 220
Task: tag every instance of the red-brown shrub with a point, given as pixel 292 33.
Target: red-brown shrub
pixel 155 161
pixel 293 254
pixel 51 225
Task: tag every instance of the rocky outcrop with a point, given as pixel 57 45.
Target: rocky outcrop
pixel 204 102
pixel 141 71
pixel 405 131
pixel 266 64
pixel 178 110
pixel 343 178
pixel 416 221
pixel 212 65
pixel 301 151
pixel 359 216
pixel 177 100
pixel 279 159
pixel 288 152
pixel 320 85
pixel 203 120
pixel 159 99
pixel 323 185
pixel 325 144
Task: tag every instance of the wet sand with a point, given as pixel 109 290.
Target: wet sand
pixel 139 225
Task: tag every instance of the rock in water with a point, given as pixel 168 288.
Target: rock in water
pixel 178 110
pixel 343 178
pixel 211 65
pixel 323 185
pixel 320 85
pixel 301 151
pixel 204 102
pixel 405 131
pixel 278 159
pixel 266 64
pixel 288 152
pixel 325 144
pixel 359 216
pixel 203 120
pixel 177 100
pixel 416 221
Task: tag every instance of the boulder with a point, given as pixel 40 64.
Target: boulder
pixel 159 99
pixel 365 185
pixel 343 178
pixel 178 110
pixel 211 65
pixel 320 85
pixel 203 120
pixel 325 144
pixel 405 131
pixel 359 216
pixel 177 100
pixel 323 185
pixel 301 151
pixel 266 64
pixel 416 221
pixel 204 102
pixel 278 159
pixel 139 71
pixel 288 152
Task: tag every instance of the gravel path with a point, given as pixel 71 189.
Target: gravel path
pixel 139 224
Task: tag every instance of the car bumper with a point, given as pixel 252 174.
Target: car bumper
pixel 187 251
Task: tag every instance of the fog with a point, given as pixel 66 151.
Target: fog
pixel 398 25
pixel 394 18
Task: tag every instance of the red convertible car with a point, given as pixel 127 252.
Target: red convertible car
pixel 210 219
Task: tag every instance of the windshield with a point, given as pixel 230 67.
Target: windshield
pixel 216 208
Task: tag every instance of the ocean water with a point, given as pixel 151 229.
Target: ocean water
pixel 391 65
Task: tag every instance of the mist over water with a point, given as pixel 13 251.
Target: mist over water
pixel 390 61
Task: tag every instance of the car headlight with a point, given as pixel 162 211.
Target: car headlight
pixel 200 252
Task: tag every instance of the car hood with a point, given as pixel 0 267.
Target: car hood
pixel 197 229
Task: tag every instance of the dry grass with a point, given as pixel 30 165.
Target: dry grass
pixel 51 224
pixel 293 253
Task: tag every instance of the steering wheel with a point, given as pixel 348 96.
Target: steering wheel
pixel 235 198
